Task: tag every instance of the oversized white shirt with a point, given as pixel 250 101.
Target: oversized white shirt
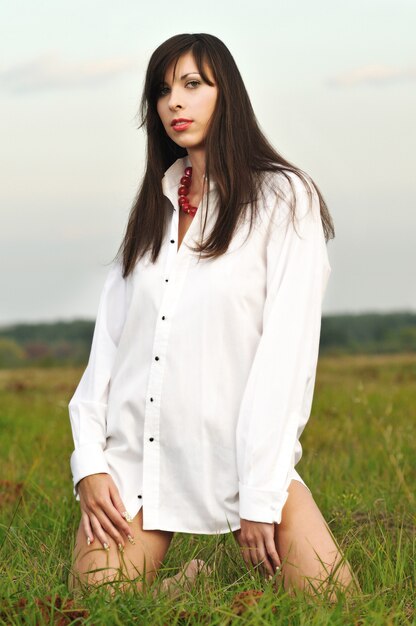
pixel 201 373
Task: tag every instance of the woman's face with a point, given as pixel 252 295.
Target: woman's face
pixel 189 97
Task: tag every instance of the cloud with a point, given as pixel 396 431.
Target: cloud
pixel 373 75
pixel 49 71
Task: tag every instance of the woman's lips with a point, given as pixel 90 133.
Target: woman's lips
pixel 181 126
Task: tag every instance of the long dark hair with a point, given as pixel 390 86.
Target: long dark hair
pixel 237 154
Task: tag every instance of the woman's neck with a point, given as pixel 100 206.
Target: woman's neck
pixel 197 159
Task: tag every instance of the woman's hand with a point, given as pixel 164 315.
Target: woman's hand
pixel 256 540
pixel 102 510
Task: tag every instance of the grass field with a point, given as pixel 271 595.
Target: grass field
pixel 359 461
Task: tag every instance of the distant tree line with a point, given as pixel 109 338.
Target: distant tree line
pixel 46 344
pixel 69 343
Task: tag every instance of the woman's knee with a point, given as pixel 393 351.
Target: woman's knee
pixel 137 564
pixel 311 558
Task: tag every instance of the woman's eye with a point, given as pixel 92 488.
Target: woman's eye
pixel 162 90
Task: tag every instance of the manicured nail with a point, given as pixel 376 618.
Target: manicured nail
pixel 120 547
pixel 270 577
pixel 127 516
pixel 88 541
pixel 106 546
pixel 130 538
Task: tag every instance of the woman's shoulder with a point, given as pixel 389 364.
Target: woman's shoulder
pixel 115 282
pixel 289 192
pixel 287 183
pixel 288 200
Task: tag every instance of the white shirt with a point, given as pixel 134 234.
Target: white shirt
pixel 201 374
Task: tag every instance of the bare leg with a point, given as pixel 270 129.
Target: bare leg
pixel 311 558
pixel 139 562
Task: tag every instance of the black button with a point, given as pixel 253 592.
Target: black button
pixel 163 317
pixel 166 280
pixel 139 496
pixel 156 358
pixel 151 399
pixel 151 439
pixel 172 241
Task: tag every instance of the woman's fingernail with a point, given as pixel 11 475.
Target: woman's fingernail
pixel 270 577
pixel 127 516
pixel 106 546
pixel 120 547
pixel 88 541
pixel 130 538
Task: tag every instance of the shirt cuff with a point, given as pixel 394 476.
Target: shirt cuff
pixel 86 460
pixel 258 505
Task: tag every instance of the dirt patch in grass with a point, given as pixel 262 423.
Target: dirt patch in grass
pixel 10 491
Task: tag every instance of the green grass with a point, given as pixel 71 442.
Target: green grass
pixel 359 461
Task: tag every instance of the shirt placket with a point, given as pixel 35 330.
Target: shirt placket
pixel 176 267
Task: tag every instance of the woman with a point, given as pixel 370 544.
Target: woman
pixel 203 361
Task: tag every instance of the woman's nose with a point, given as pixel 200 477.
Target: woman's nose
pixel 174 100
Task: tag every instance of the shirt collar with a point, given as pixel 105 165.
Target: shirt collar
pixel 171 179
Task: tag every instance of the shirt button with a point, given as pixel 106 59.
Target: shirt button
pixel 172 241
pixel 139 496
pixel 163 317
pixel 151 399
pixel 156 358
pixel 166 280
pixel 151 438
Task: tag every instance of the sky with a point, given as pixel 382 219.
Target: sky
pixel 333 86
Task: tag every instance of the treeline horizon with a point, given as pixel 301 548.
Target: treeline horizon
pixel 68 343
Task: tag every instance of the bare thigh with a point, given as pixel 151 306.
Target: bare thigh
pixel 139 561
pixel 311 558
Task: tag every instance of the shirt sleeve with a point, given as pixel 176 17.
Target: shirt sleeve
pixel 88 405
pixel 278 394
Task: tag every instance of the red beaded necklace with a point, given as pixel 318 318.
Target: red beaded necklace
pixel 183 192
